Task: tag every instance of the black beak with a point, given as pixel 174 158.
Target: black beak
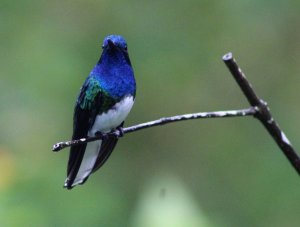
pixel 111 44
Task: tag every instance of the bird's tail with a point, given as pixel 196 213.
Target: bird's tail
pixel 81 162
pixel 86 159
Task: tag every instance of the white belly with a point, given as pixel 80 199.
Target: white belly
pixel 112 118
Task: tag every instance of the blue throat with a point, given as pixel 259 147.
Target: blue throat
pixel 115 73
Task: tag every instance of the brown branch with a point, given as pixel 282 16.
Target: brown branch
pixel 263 112
pixel 162 121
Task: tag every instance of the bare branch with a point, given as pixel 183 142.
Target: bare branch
pixel 258 109
pixel 263 112
pixel 166 120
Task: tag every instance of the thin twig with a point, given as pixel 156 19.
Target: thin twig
pixel 166 120
pixel 263 112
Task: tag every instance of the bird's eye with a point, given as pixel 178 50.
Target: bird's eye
pixel 102 46
pixel 125 48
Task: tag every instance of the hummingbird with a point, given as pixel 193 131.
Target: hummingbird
pixel 104 101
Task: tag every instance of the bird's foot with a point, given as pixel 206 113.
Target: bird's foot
pixel 120 131
pixel 103 135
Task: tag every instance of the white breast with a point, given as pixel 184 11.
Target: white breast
pixel 114 117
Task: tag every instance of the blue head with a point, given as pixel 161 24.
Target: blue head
pixel 114 51
pixel 116 41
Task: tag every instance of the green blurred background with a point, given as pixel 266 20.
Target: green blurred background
pixel 216 172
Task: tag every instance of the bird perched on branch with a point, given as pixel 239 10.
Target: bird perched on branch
pixel 104 102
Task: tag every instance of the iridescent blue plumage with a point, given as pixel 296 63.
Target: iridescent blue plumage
pixel 115 73
pixel 105 100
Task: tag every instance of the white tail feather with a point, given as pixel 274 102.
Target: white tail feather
pixel 88 161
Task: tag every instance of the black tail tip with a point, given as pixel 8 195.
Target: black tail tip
pixel 68 184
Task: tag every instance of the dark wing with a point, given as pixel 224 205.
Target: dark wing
pixel 87 107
